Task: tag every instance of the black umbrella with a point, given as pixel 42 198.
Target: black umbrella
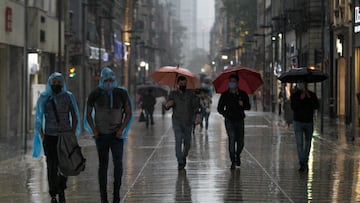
pixel 303 75
pixel 157 90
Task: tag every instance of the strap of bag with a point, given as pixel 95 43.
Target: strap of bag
pixel 55 110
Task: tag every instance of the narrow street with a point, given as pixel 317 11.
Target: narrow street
pixel 268 172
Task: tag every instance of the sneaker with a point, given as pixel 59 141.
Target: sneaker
pixel 232 167
pixel 62 197
pixel 54 200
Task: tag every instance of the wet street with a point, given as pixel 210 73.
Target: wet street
pixel 268 172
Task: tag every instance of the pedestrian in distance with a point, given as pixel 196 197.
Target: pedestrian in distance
pixel 185 106
pixel 205 104
pixel 57 113
pixel 148 104
pixel 113 117
pixel 232 104
pixel 303 103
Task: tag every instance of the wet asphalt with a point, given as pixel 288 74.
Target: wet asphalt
pixel 268 171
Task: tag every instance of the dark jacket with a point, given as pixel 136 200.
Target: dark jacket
pixel 148 102
pixel 229 107
pixel 304 108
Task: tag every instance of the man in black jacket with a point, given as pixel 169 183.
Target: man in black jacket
pixel 303 104
pixel 232 104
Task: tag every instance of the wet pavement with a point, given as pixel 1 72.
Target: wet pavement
pixel 268 172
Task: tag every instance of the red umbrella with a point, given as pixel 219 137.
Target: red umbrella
pixel 167 75
pixel 249 80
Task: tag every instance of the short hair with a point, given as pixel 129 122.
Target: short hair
pixel 235 76
pixel 181 78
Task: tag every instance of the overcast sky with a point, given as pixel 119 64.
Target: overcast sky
pixel 205 17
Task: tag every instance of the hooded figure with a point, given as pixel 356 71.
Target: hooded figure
pixel 56 113
pixel 108 117
pixel 40 116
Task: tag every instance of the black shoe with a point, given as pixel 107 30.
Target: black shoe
pixel 181 166
pixel 232 167
pixel 303 168
pixel 116 200
pixel 54 200
pixel 104 201
pixel 238 161
pixel 184 161
pixel 62 197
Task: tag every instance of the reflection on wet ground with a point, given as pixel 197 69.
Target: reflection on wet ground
pixel 268 172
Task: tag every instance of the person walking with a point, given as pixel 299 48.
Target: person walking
pixel 185 105
pixel 113 115
pixel 205 103
pixel 232 104
pixel 56 113
pixel 148 104
pixel 303 103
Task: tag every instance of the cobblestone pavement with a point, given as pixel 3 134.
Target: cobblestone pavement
pixel 268 172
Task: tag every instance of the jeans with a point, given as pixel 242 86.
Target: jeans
pixel 182 140
pixel 205 117
pixel 303 136
pixel 103 144
pixel 235 132
pixel 57 182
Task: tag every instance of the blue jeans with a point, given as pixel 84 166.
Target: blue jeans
pixel 235 132
pixel 103 144
pixel 205 117
pixel 303 136
pixel 182 140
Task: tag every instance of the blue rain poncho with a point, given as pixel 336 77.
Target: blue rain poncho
pixel 107 73
pixel 40 109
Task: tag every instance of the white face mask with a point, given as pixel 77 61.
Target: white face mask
pixel 300 86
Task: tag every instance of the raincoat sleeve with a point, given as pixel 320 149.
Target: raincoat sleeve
pixel 87 127
pixel 77 114
pixel 38 127
pixel 129 124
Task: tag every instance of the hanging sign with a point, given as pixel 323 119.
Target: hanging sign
pixel 8 19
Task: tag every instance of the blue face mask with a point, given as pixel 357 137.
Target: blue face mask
pixel 109 85
pixel 232 85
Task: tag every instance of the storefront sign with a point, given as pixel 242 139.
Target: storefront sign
pixel 8 19
pixel 357 20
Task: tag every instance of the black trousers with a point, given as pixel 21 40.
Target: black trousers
pixel 57 182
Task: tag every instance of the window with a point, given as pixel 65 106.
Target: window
pixel 42 36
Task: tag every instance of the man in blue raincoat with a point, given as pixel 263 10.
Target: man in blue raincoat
pixel 109 126
pixel 56 113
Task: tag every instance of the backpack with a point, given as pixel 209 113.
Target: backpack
pixel 71 159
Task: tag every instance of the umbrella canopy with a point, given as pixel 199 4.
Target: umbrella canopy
pixel 167 75
pixel 249 80
pixel 157 90
pixel 302 75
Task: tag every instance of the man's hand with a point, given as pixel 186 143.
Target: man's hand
pixel 241 103
pixel 169 104
pixel 119 133
pixel 96 134
pixel 197 119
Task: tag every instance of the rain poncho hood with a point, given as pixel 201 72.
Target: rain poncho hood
pixel 107 73
pixel 40 108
